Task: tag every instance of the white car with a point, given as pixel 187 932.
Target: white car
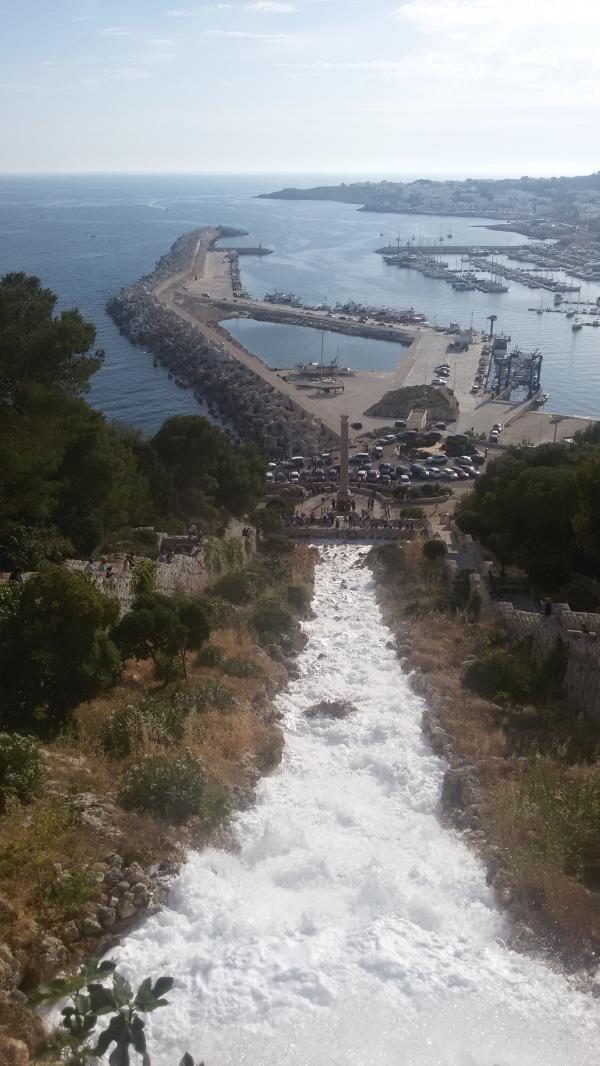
pixel 496 428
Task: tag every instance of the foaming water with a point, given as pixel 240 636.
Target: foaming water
pixel 350 928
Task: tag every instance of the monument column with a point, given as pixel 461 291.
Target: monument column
pixel 343 496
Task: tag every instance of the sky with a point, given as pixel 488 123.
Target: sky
pixel 347 87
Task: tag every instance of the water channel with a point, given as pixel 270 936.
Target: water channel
pixel 350 928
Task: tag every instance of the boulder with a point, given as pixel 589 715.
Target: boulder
pixel 331 709
pixel 90 927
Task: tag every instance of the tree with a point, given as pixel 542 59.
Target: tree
pixel 55 650
pixel 209 475
pixel 162 629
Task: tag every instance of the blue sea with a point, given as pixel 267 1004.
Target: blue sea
pixel 87 236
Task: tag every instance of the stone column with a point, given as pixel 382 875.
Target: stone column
pixel 344 492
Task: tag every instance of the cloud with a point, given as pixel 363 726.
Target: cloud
pixel 115 31
pixel 270 7
pixel 247 35
pixel 190 12
pixel 161 42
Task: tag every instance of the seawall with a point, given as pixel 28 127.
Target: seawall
pixel 257 412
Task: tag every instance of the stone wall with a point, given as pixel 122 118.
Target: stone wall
pixel 580 633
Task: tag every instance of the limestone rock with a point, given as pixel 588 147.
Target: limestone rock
pixel 331 709
pixel 127 907
pixel 107 916
pixel 90 927
pixel 71 932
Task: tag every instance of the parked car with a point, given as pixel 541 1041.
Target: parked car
pixel 403 479
pixel 372 477
pixel 478 459
pixel 494 435
pixel 358 458
pixel 407 435
pixel 471 471
pixel 401 469
pixel 463 460
pixel 294 477
pixel 448 475
pixel 438 381
pixel 419 471
pixel 390 438
pixel 400 423
pixel 439 425
pixel 436 460
pixel 385 468
pixel 269 476
pixel 497 427
pixel 385 479
pixel 460 473
pixel 377 451
pixel 356 425
pixel 361 475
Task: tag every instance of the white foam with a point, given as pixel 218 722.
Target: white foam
pixel 350 928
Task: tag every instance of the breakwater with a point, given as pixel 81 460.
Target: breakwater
pixel 249 406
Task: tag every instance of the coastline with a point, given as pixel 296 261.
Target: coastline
pixel 192 286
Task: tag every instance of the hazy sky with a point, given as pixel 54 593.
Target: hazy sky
pixel 343 86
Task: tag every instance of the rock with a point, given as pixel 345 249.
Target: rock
pixel 71 932
pixel 141 894
pixel 111 877
pixel 50 956
pixel 438 738
pixel 107 916
pixel 331 709
pixel 13 1052
pixel 127 907
pixel 9 967
pixel 134 874
pixel 90 927
pixel 458 789
pixel 121 887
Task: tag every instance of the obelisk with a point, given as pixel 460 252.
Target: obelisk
pixel 343 496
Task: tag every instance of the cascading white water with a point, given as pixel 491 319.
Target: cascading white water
pixel 351 929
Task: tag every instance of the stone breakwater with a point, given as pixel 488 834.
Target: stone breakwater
pixel 252 409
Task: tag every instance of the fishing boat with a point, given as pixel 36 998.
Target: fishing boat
pixel 576 326
pixel 542 399
pixel 570 314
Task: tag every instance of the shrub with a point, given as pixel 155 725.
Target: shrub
pixel 213 695
pixel 501 672
pixel 298 598
pixel 235 666
pixel 239 588
pixel 143 578
pixel 270 619
pixel 434 549
pixel 412 512
pixel 209 656
pixel 171 787
pixel 20 766
pixel 222 614
pixel 151 719
pixel 277 544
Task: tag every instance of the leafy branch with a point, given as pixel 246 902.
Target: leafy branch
pixel 99 990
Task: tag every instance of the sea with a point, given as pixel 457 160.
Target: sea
pixel 86 236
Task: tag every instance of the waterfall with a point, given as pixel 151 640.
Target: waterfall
pixel 350 928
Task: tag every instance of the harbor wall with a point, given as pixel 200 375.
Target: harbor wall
pixel 256 411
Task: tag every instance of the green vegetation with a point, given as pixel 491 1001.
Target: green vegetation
pixel 398 403
pixel 271 618
pixel 152 719
pixel 143 578
pixel 168 786
pixel 163 630
pixel 434 550
pixel 213 695
pixel 99 991
pixel 20 766
pixel 239 588
pixel 69 479
pixel 539 509
pixel 55 650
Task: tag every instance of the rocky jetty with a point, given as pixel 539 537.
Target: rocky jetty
pixel 252 409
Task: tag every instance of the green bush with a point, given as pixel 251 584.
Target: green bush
pixel 270 619
pixel 20 766
pixel 151 719
pixel 412 512
pixel 143 578
pixel 239 588
pixel 213 695
pixel 504 673
pixel 222 614
pixel 298 597
pixel 277 544
pixel 170 787
pixel 235 666
pixel 434 549
pixel 210 656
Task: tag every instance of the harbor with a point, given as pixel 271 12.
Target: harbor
pixel 205 298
